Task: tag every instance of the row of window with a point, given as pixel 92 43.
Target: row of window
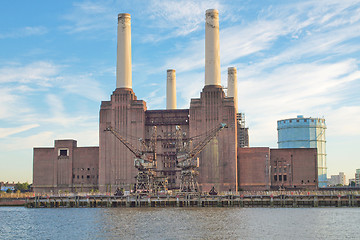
pixel 303 120
pixel 87 176
pixel 280 178
pixel 83 169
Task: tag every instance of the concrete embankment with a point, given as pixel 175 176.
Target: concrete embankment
pixel 11 202
pixel 196 200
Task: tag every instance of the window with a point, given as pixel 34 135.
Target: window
pixel 88 169
pixel 73 175
pixel 82 176
pixel 77 176
pixel 280 177
pixel 305 120
pixel 275 177
pixel 88 176
pixel 63 152
pixel 285 178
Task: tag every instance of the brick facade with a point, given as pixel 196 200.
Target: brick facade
pixel 65 167
pixel 218 165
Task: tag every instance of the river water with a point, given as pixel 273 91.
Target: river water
pixel 180 223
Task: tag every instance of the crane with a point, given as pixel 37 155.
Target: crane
pixel 145 161
pixel 187 160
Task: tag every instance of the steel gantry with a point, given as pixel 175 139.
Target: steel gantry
pixel 187 158
pixel 147 180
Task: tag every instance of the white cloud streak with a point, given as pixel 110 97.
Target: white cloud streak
pixel 24 32
pixel 181 17
pixel 5 132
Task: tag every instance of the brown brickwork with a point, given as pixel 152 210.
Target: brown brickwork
pixel 218 164
pixel 254 168
pixel 126 114
pixel 65 167
pixel 294 168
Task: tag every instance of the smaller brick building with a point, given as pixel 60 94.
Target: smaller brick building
pixel 264 168
pixel 294 168
pixel 254 168
pixel 65 167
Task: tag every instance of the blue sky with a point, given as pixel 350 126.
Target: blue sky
pixel 58 60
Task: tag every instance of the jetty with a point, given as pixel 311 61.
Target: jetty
pixel 293 200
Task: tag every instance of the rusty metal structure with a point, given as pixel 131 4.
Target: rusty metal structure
pixel 147 180
pixel 187 158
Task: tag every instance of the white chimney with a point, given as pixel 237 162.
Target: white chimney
pixel 171 89
pixel 232 86
pixel 123 66
pixel 212 48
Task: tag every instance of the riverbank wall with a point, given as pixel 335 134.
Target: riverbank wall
pixel 196 200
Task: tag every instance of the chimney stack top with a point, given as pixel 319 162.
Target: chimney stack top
pixel 124 15
pixel 212 11
pixel 232 69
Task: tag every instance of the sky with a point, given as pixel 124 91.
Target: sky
pixel 58 62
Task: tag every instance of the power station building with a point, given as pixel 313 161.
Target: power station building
pixel 303 132
pixel 226 163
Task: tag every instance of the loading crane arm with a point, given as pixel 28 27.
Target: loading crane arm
pixel 127 144
pixel 202 144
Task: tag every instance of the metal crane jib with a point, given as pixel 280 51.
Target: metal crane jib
pixel 187 160
pixel 142 164
pixel 189 163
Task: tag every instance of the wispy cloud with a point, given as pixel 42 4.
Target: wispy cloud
pixel 90 16
pixel 5 132
pixel 155 99
pixel 309 89
pixel 43 74
pixel 85 85
pixel 181 17
pixel 40 73
pixel 170 18
pixel 12 104
pixel 24 32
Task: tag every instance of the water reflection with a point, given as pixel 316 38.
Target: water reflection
pixel 180 223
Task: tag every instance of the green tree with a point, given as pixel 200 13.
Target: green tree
pixel 8 190
pixel 22 187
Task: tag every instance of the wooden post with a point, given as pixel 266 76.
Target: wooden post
pixel 316 201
